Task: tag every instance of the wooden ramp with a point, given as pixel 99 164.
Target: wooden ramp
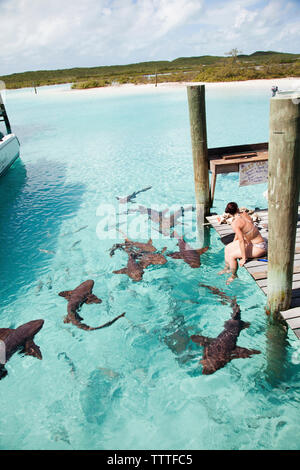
pixel 259 269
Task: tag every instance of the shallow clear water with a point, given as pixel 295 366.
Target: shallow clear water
pixel 128 386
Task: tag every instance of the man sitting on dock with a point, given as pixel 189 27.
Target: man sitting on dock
pixel 247 243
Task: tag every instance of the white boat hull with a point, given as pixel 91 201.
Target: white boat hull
pixel 9 152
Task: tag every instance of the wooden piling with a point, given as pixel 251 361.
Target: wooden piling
pixel 276 351
pixel 283 197
pixel 197 113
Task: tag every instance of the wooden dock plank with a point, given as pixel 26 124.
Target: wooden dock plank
pixel 297 332
pixel 291 313
pixel 295 285
pixel 260 272
pixel 264 282
pixel 293 323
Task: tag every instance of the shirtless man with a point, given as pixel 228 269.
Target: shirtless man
pixel 247 243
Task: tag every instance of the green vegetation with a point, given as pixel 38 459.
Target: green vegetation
pixel 237 66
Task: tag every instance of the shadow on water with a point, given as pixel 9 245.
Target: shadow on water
pixel 34 202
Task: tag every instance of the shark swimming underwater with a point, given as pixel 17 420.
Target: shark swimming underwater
pixel 134 247
pixel 140 256
pixel 76 298
pixel 125 199
pixel 222 349
pixel 147 259
pixel 189 255
pixel 165 222
pixel 133 269
pixel 21 338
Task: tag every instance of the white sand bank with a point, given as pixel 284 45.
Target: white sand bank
pixel 282 83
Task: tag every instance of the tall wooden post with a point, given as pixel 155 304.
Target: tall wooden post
pixel 276 351
pixel 283 197
pixel 197 113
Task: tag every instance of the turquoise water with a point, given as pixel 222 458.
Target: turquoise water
pixel 128 386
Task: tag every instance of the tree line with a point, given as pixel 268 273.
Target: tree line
pixel 235 66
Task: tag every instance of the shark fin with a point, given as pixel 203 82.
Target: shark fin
pixel 200 251
pixel 245 324
pixel 66 294
pixel 176 255
pixel 92 299
pixel 121 271
pixel 203 340
pixel 239 352
pixel 31 349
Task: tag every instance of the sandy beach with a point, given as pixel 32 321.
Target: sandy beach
pixel 292 84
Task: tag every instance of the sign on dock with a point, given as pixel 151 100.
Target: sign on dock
pixel 251 161
pixel 253 173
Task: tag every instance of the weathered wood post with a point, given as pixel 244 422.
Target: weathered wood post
pixel 283 197
pixel 276 351
pixel 197 113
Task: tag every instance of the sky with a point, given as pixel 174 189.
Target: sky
pixel 39 34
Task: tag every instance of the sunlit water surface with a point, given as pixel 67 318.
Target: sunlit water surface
pixel 137 384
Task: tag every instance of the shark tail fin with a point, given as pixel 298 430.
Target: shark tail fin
pixel 108 323
pixel 242 353
pixel 144 189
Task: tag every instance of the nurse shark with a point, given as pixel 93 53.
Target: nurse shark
pixel 21 338
pixel 76 298
pixel 222 349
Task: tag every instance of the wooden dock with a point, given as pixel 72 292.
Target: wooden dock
pixel 259 269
